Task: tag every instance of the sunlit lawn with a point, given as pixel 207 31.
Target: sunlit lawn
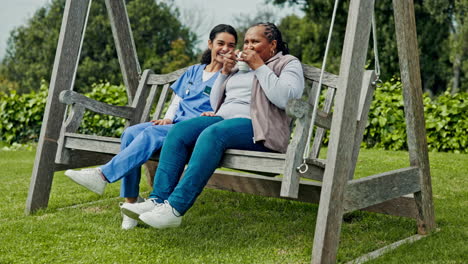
pixel 222 227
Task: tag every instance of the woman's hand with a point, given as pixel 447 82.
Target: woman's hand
pixel 252 58
pixel 161 122
pixel 208 114
pixel 230 60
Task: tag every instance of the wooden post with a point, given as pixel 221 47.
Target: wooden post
pixel 342 132
pixel 126 51
pixel 408 54
pixel 70 40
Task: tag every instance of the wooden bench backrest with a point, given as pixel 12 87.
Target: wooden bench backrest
pixel 157 88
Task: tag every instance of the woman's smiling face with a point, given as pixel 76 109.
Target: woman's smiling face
pixel 222 44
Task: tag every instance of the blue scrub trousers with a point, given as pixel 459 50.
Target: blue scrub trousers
pixel 205 138
pixel 138 143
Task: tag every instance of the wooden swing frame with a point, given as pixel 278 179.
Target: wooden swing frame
pixel 338 192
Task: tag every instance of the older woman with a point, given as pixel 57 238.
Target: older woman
pixel 249 115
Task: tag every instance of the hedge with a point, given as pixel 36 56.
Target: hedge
pixel 446 117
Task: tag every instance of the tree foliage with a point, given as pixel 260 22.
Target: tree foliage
pixel 31 48
pixel 436 21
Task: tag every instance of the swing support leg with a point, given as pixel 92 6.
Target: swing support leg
pixel 408 54
pixel 343 129
pixel 63 75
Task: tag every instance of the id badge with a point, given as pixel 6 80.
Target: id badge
pixel 207 90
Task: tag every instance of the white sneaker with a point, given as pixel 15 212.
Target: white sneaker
pixel 134 210
pixel 88 178
pixel 128 223
pixel 163 216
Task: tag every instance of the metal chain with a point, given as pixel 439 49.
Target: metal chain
pixel 377 80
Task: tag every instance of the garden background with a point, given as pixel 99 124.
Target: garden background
pixel 25 73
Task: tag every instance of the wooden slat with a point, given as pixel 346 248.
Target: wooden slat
pixel 69 44
pixel 378 188
pixel 313 74
pixel 294 156
pixel 125 45
pixel 408 54
pixel 297 108
pixel 365 101
pixel 149 103
pixel 162 100
pixel 71 97
pixel 159 79
pixel 140 99
pixel 84 159
pixel 342 132
pixel 107 145
pixel 254 161
pixel 320 132
pixel 70 125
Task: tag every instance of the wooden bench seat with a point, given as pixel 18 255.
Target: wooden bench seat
pixel 154 93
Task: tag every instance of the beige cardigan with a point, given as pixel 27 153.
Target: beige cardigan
pixel 270 123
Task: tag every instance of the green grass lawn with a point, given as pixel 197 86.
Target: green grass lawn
pixel 223 227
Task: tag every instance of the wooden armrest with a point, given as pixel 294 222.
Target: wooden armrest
pixel 71 97
pixel 298 108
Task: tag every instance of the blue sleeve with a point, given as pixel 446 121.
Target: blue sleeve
pixel 181 84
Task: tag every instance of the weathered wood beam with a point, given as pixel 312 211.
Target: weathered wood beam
pixel 67 55
pixel 408 54
pixel 365 101
pixel 309 192
pixel 342 133
pixel 312 73
pixel 260 185
pixel 71 97
pixel 382 187
pixel 161 79
pixel 81 158
pixel 106 145
pixel 404 206
pixel 125 46
pixel 253 161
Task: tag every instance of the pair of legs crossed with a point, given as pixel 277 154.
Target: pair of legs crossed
pixel 201 142
pixel 138 143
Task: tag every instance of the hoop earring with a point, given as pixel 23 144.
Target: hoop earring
pixel 272 53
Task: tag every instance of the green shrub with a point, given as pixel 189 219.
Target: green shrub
pixel 386 128
pixel 446 120
pixel 446 117
pixel 21 115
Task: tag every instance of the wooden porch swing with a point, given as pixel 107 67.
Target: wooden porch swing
pixel 403 192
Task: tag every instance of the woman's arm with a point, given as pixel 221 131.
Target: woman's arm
pixel 170 113
pixel 216 90
pixel 171 110
pixel 290 83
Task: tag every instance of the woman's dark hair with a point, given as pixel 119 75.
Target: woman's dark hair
pixel 206 56
pixel 273 33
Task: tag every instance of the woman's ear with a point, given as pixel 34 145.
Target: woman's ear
pixel 210 44
pixel 273 44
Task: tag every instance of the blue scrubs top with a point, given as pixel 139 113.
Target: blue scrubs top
pixel 195 93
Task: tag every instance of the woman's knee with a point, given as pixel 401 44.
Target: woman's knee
pixel 131 132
